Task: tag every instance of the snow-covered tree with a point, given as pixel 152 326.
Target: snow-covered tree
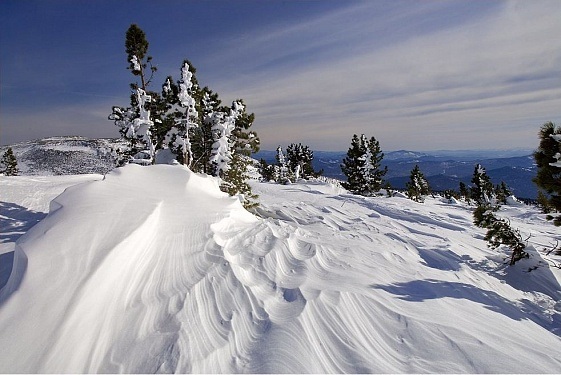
pixel 9 163
pixel 135 125
pixel 282 174
pixel 373 167
pixel 188 120
pixel 135 122
pixel 502 192
pixel 362 166
pixel 548 160
pixel 177 138
pixel 418 186
pixel 482 190
pixel 299 160
pixel 223 126
pixel 244 142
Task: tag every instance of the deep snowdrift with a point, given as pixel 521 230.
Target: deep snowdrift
pixel 153 269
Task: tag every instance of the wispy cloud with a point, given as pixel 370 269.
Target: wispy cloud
pixel 487 72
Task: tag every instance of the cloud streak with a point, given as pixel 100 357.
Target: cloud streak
pixel 487 73
pixel 419 75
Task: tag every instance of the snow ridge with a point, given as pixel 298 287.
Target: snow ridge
pixel 154 269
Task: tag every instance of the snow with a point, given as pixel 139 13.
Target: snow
pixel 153 269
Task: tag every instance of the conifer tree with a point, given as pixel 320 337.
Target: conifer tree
pixel 362 166
pixel 135 122
pixel 354 166
pixel 244 142
pixel 502 192
pixel 282 170
pixel 299 159
pixel 482 190
pixel 136 47
pixel 9 163
pixel 464 192
pixel 548 160
pixel 373 166
pixel 418 186
pixel 177 138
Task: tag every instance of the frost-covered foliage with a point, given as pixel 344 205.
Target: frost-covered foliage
pixel 282 172
pixel 548 179
pixel 502 192
pixel 177 138
pixel 9 163
pixel 362 166
pixel 185 120
pixel 223 126
pixel 135 125
pixel 299 160
pixel 418 186
pixel 482 191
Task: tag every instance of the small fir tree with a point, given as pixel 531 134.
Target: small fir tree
pixel 136 47
pixel 548 160
pixel 502 192
pixel 464 193
pixel 499 232
pixel 299 160
pixel 418 186
pixel 362 166
pixel 373 167
pixel 282 170
pixel 354 166
pixel 482 190
pixel 9 163
pixel 266 170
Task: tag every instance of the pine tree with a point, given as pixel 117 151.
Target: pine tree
pixel 482 190
pixel 418 186
pixel 136 47
pixel 374 172
pixel 9 163
pixel 548 160
pixel 502 192
pixel 464 192
pixel 354 166
pixel 282 171
pixel 135 122
pixel 244 142
pixel 499 232
pixel 177 138
pixel 299 160
pixel 267 171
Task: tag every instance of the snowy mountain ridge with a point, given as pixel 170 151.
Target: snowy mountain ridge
pixel 444 169
pixel 65 155
pixel 153 269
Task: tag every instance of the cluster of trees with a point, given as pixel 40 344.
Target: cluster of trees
pixel 9 164
pixel 362 167
pixel 365 175
pixel 184 121
pixel 291 166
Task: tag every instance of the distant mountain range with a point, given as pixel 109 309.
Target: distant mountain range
pixel 443 169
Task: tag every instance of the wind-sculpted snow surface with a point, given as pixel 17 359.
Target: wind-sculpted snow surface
pixel 153 269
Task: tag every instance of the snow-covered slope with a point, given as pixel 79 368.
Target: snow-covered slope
pixel 153 269
pixel 65 155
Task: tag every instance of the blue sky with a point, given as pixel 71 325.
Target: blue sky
pixel 419 75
